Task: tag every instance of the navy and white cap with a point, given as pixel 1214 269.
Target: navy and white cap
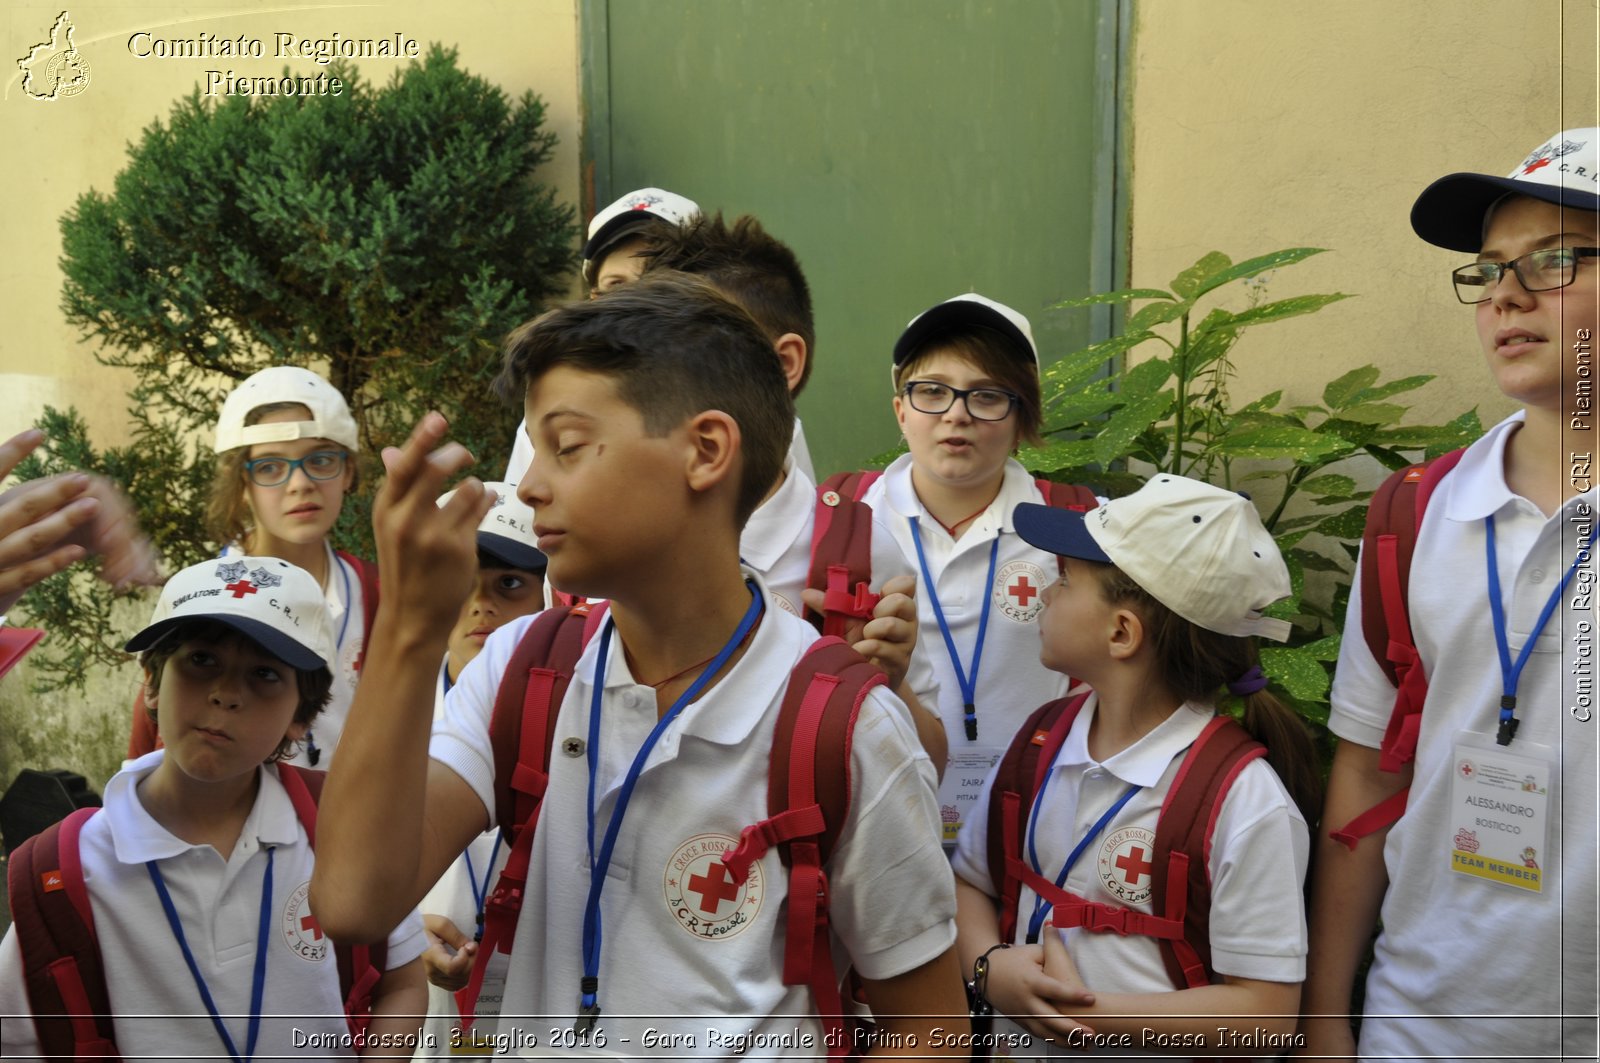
pixel 330 414
pixel 1564 170
pixel 631 212
pixel 275 604
pixel 1199 550
pixel 963 311
pixel 506 531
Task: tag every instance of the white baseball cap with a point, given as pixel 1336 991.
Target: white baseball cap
pixel 968 310
pixel 276 604
pixel 1564 170
pixel 1199 550
pixel 506 531
pixel 629 213
pixel 330 414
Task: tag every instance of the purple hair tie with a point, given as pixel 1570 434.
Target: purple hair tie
pixel 1253 680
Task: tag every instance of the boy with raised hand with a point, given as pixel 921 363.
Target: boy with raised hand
pixel 197 868
pixel 657 427
pixel 1486 884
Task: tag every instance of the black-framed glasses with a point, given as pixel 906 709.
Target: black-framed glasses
pixel 319 465
pixel 984 404
pixel 1537 271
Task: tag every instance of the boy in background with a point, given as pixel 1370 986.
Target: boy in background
pixel 198 866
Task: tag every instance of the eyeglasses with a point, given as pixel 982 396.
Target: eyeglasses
pixel 984 404
pixel 1537 271
pixel 319 465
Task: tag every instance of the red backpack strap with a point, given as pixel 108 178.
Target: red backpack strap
pixel 808 801
pixel 367 577
pixel 1180 876
pixel 360 966
pixel 522 731
pixel 1394 518
pixel 64 975
pixel 1075 497
pixel 841 551
pixel 1033 749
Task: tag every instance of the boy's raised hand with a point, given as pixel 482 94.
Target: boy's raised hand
pixel 427 553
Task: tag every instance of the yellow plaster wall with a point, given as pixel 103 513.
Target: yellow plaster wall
pixel 58 149
pixel 1261 124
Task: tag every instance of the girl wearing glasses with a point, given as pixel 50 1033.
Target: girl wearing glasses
pixel 285 447
pixel 966 375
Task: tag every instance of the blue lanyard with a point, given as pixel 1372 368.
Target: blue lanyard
pixel 1511 673
pixel 968 683
pixel 479 892
pixel 1041 906
pixel 259 979
pixel 589 988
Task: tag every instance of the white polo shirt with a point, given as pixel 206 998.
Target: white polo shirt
pixel 522 453
pixel 1011 683
pixel 776 540
pixel 454 896
pixel 1485 961
pixel 1258 854
pixel 159 1010
pixel 684 947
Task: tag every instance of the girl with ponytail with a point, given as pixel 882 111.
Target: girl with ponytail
pixel 1157 609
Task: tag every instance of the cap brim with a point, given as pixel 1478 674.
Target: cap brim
pixel 615 229
pixel 515 554
pixel 1062 532
pixel 957 312
pixel 267 637
pixel 1450 212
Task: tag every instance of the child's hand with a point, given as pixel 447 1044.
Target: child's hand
pixel 449 955
pixel 889 637
pixel 427 553
pixel 1020 988
pixel 47 524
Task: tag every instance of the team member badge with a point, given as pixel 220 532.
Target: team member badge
pixel 701 893
pixel 1127 857
pixel 1018 588
pixel 301 931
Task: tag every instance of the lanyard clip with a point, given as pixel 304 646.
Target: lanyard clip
pixel 588 1016
pixel 1508 722
pixel 970 717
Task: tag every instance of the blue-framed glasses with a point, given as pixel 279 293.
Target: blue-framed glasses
pixel 319 465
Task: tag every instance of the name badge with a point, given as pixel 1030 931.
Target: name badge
pixel 963 785
pixel 1499 824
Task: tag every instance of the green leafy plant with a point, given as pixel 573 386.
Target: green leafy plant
pixel 387 238
pixel 1175 411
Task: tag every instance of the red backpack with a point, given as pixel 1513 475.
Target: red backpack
pixel 66 979
pixel 1387 544
pixel 808 791
pixel 1180 872
pixel 841 544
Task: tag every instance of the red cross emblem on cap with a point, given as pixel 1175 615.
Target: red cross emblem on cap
pixel 1535 165
pixel 240 588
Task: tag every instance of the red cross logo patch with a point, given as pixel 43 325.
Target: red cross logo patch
pixel 301 931
pixel 1017 590
pixel 701 892
pixel 1127 857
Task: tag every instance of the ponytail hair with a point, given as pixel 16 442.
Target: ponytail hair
pixel 1196 664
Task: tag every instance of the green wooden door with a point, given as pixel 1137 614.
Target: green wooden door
pixel 908 150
